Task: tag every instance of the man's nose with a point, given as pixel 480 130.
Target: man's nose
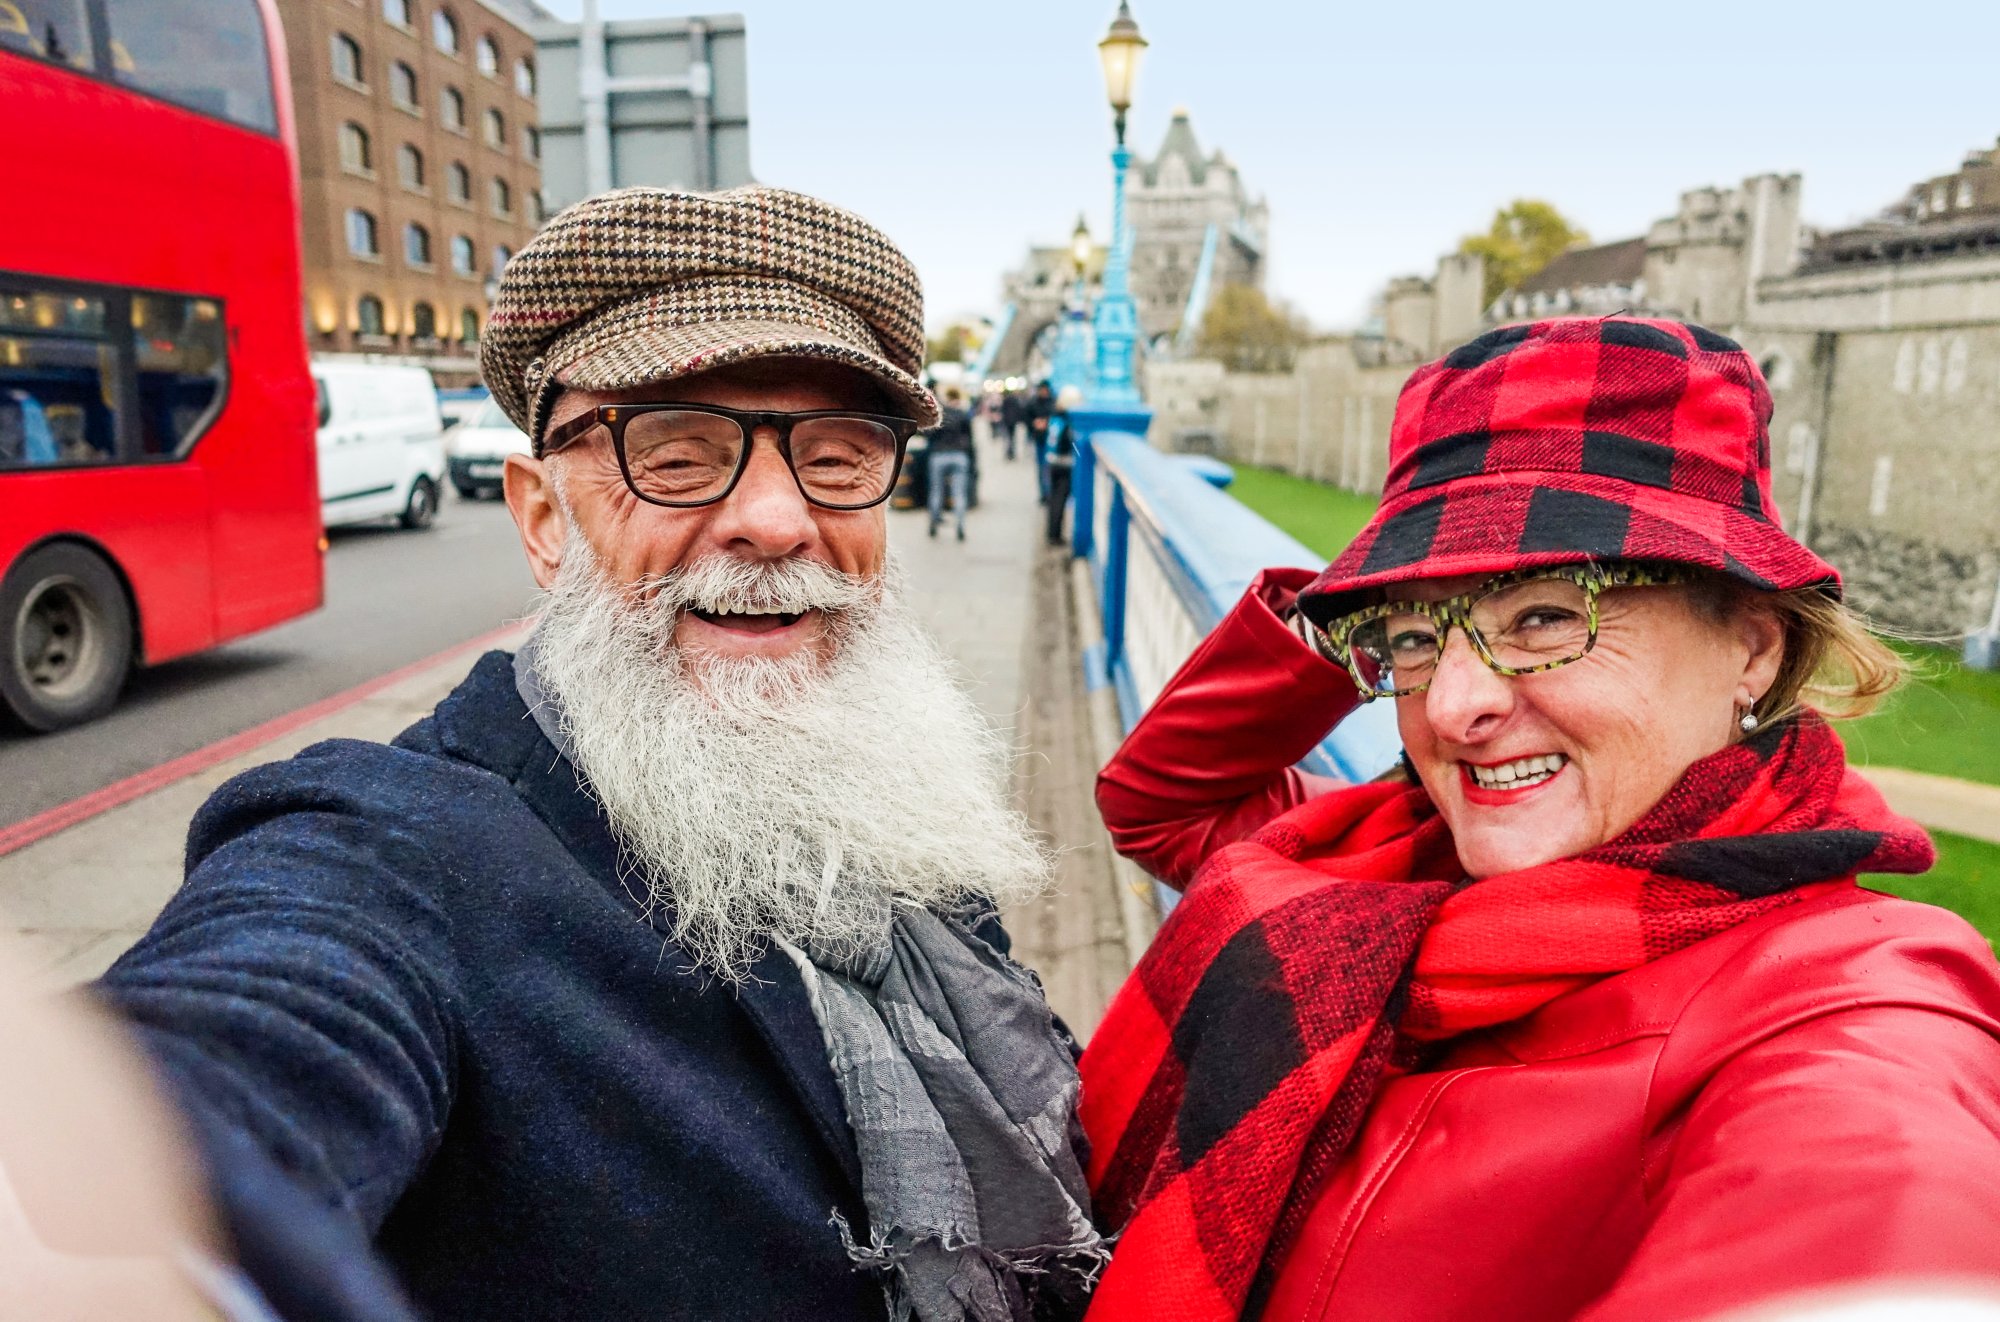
pixel 1466 699
pixel 766 514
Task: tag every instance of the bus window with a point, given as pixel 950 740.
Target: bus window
pixel 58 378
pixel 47 29
pixel 182 370
pixel 207 55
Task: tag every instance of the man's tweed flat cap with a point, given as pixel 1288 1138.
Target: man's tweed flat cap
pixel 645 284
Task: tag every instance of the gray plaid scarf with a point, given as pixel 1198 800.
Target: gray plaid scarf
pixel 962 1097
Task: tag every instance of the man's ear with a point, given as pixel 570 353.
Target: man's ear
pixel 538 514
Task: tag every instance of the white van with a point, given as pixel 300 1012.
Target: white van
pixel 381 443
pixel 478 450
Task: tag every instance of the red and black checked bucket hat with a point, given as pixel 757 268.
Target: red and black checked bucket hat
pixel 1571 440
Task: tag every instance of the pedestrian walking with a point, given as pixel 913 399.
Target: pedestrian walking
pixel 950 460
pixel 1040 407
pixel 1010 421
pixel 1061 460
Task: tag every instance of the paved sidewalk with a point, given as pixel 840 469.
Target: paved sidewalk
pixel 79 897
pixel 1942 803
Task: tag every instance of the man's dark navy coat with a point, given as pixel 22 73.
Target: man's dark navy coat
pixel 409 976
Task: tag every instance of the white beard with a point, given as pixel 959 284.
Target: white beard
pixel 799 798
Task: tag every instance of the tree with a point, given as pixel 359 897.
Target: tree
pixel 1526 235
pixel 1245 332
pixel 949 347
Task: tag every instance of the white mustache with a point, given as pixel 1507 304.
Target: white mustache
pixel 726 584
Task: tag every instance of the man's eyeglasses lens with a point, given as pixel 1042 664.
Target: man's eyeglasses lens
pixel 1541 623
pixel 687 457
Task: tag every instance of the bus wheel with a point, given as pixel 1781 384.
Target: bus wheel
pixel 422 509
pixel 65 638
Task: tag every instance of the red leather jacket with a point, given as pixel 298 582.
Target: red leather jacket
pixel 1809 1099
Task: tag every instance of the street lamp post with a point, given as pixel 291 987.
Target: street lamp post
pixel 1117 319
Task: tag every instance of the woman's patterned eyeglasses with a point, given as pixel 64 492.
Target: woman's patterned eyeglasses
pixel 1518 623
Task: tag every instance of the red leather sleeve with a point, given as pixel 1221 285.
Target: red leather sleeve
pixel 1862 1147
pixel 1211 760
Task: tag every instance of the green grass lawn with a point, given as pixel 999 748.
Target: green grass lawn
pixel 1946 721
pixel 1324 517
pixel 1966 880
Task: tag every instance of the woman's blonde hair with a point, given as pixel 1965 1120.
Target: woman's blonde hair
pixel 1833 663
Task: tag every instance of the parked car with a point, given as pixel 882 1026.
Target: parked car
pixel 381 443
pixel 458 405
pixel 478 450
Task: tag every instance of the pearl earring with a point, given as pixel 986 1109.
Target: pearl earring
pixel 1749 721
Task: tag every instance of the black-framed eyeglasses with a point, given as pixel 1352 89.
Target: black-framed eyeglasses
pixel 686 455
pixel 1518 623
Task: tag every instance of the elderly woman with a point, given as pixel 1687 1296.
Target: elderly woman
pixel 1592 1020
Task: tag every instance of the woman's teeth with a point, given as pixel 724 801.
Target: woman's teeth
pixel 1518 774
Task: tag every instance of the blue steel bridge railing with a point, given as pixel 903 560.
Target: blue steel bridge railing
pixel 1170 553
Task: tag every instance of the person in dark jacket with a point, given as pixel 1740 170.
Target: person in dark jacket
pixel 1039 410
pixel 1012 411
pixel 1059 461
pixel 635 981
pixel 950 453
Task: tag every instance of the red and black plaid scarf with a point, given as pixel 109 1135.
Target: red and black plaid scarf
pixel 1236 1064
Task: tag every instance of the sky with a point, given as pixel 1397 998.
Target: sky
pixel 1380 133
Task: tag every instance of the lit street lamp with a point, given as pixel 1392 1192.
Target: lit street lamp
pixel 1079 247
pixel 1117 319
pixel 1121 51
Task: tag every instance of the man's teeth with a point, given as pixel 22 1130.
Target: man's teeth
pixel 1520 773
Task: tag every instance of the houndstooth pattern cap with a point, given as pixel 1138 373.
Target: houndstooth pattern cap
pixel 642 285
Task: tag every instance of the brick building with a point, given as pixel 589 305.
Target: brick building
pixel 418 158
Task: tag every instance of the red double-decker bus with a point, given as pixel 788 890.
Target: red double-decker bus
pixel 158 492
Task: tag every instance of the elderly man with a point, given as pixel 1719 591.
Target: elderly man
pixel 656 973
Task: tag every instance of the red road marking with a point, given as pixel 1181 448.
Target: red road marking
pixel 63 816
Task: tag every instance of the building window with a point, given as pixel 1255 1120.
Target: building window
pixel 496 129
pixel 540 205
pixel 461 184
pixel 362 239
pixel 531 143
pixel 410 167
pixel 502 255
pixel 451 104
pixel 355 156
pixel 416 245
pixel 468 326
pixel 524 77
pixel 423 322
pixel 403 85
pixel 1938 196
pixel 397 12
pixel 368 315
pixel 503 198
pixel 444 32
pixel 462 260
pixel 347 60
pixel 1964 193
pixel 489 57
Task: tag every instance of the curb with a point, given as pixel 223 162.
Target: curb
pixel 81 809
